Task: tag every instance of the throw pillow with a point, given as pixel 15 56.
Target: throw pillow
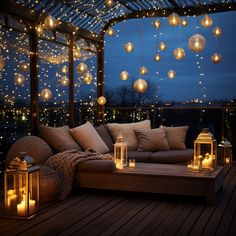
pixel 58 138
pixel 127 131
pixel 152 139
pixel 176 137
pixel 87 137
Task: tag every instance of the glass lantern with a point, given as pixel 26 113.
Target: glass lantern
pixel 205 150
pixel 225 153
pixel 120 152
pixel 21 188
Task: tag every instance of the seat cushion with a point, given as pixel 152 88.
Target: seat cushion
pixel 139 156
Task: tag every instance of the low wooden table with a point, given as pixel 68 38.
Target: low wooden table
pixel 159 178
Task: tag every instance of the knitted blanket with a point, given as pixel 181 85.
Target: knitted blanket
pixel 65 163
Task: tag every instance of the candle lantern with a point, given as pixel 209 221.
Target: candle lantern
pixel 120 152
pixel 205 150
pixel 21 188
pixel 225 153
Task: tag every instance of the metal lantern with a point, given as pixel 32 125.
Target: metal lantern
pixel 124 75
pixel 225 153
pixel 19 79
pixel 46 94
pixel 179 53
pixel 217 31
pixel 110 31
pixel 120 152
pixel 129 47
pixel 205 150
pixel 158 57
pixel 216 58
pixel 184 22
pixel 174 19
pixel 143 70
pixel 101 100
pixel 64 81
pixel 157 23
pixel 206 21
pixel 64 69
pixel 140 85
pixel 87 78
pixel 171 74
pixel 50 22
pixel 196 43
pixel 21 188
pixel 77 53
pixel 162 46
pixel 81 68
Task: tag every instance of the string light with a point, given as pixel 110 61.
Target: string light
pixel 140 85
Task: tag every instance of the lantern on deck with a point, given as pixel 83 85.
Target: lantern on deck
pixel 21 188
pixel 225 153
pixel 120 152
pixel 205 150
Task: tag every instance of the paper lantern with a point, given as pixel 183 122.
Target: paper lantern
pixel 24 66
pixel 110 31
pixel 129 47
pixel 50 22
pixel 64 81
pixel 64 69
pixel 216 58
pixel 174 19
pixel 143 70
pixel 19 79
pixel 109 3
pixel 120 152
pixel 46 94
pixel 179 53
pixel 124 75
pixel 217 31
pixel 158 57
pixel 162 46
pixel 81 68
pixel 87 78
pixel 140 85
pixel 206 21
pixel 157 24
pixel 2 63
pixel 184 22
pixel 171 74
pixel 196 43
pixel 39 29
pixel 101 100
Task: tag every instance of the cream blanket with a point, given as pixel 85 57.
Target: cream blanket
pixel 65 163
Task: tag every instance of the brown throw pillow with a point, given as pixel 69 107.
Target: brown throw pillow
pixel 152 139
pixel 176 137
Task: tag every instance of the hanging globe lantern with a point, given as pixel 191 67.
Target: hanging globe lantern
pixel 24 66
pixel 216 58
pixel 124 75
pixel 158 57
pixel 2 63
pixel 64 69
pixel 140 85
pixel 129 47
pixel 50 22
pixel 217 31
pixel 157 23
pixel 162 46
pixel 19 79
pixel 206 21
pixel 77 53
pixel 174 19
pixel 87 78
pixel 184 22
pixel 64 81
pixel 110 32
pixel 179 53
pixel 109 3
pixel 39 29
pixel 81 68
pixel 143 70
pixel 196 43
pixel 171 74
pixel 46 94
pixel 101 100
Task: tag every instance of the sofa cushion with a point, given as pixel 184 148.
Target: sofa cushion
pixel 152 139
pixel 172 156
pixel 58 138
pixel 87 137
pixel 176 137
pixel 139 156
pixel 127 131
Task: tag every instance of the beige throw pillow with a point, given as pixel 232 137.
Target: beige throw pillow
pixel 176 137
pixel 87 137
pixel 152 139
pixel 127 131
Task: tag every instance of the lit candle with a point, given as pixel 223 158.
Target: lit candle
pixel 119 166
pixel 21 208
pixel 227 160
pixel 132 163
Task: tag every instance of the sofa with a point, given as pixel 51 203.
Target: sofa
pixel 142 146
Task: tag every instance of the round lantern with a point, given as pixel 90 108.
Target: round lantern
pixel 64 81
pixel 140 85
pixel 81 68
pixel 174 19
pixel 19 79
pixel 39 28
pixel 217 31
pixel 162 46
pixel 206 21
pixel 101 100
pixel 143 70
pixel 171 74
pixel 87 78
pixel 157 23
pixel 2 63
pixel 50 22
pixel 124 75
pixel 109 3
pixel 24 66
pixel 196 43
pixel 179 53
pixel 184 22
pixel 129 47
pixel 77 53
pixel 64 69
pixel 46 94
pixel 110 31
pixel 158 57
pixel 216 58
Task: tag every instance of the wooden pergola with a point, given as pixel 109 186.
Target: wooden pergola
pixel 89 19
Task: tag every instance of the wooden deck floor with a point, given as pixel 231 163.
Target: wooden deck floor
pixel 91 212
